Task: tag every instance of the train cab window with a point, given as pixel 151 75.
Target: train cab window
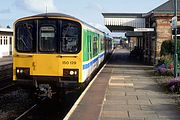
pixel 24 36
pixel 47 39
pixel 70 37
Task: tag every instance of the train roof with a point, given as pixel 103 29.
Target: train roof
pixel 59 15
pixel 54 15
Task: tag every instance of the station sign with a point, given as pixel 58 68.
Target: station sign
pixel 144 29
pixel 134 34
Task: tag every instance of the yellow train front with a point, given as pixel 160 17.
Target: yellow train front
pixel 55 50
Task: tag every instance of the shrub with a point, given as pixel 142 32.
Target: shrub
pixel 168 59
pixel 167 53
pixel 166 48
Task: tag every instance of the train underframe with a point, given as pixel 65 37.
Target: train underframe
pixel 50 86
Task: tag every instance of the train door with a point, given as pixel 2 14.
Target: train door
pixel 98 49
pixel 45 63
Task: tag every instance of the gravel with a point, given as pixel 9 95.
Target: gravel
pixel 14 102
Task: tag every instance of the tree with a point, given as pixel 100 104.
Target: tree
pixel 8 26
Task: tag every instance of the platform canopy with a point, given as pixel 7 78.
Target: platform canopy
pixel 123 22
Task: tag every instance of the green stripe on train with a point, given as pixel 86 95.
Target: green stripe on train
pixel 93 44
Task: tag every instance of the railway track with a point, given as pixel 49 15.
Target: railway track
pixel 7 86
pixel 44 109
pixel 25 114
pixel 5 71
pixel 48 109
pixel 6 76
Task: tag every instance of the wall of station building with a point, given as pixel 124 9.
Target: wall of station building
pixel 153 41
pixel 5 43
pixel 164 32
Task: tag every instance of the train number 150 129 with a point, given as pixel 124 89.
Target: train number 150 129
pixel 69 62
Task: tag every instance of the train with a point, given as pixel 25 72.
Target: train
pixel 54 51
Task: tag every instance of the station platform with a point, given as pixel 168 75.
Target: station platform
pixel 5 60
pixel 124 90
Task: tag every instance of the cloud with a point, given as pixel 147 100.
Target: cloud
pixel 36 5
pixel 94 6
pixel 4 11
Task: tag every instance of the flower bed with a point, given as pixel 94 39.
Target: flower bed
pixel 174 85
pixel 164 69
pixel 168 85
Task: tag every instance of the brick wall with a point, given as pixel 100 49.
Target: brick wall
pixel 164 32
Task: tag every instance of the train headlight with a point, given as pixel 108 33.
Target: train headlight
pixel 70 72
pixel 22 73
pixel 17 71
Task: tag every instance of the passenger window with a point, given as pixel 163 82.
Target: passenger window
pixel 95 46
pixel 70 37
pixel 47 38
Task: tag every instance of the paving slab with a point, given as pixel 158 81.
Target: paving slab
pixel 125 90
pixel 144 100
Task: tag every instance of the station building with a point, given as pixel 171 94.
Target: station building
pixel 145 30
pixel 6 35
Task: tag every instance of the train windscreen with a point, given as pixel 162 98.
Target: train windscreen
pixel 48 36
pixel 70 36
pixel 25 36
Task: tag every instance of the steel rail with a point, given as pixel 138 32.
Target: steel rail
pixel 27 112
pixel 7 86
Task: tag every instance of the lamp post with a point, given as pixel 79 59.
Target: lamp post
pixel 175 39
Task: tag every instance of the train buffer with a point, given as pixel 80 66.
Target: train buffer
pixel 124 90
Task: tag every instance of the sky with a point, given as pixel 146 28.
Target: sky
pixel 89 11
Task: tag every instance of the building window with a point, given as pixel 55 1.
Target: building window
pixel 1 40
pixel 10 40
